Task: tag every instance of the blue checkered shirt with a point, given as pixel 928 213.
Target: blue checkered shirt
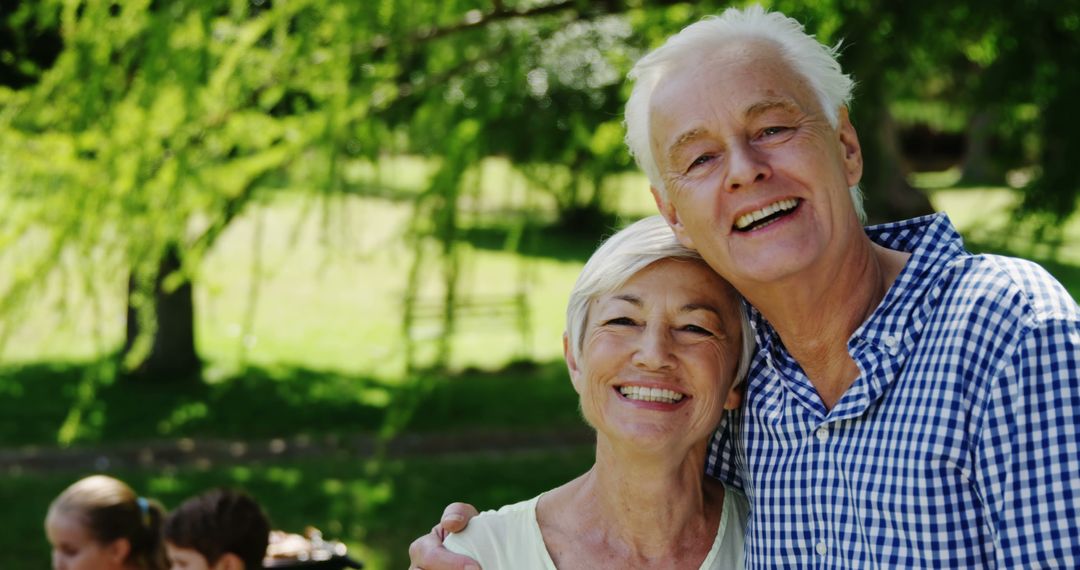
pixel 958 446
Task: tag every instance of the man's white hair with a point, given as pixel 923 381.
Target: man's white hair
pixel 622 256
pixel 811 59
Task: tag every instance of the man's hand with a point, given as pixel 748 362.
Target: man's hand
pixel 427 552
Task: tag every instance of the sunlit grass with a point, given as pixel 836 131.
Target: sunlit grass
pixel 301 280
pixel 984 216
pixel 288 284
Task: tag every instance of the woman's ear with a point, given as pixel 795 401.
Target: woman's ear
pixel 734 396
pixel 571 363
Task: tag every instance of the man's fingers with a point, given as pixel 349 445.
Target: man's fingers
pixel 427 553
pixel 456 517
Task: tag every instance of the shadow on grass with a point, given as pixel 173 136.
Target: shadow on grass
pixel 558 242
pixel 38 400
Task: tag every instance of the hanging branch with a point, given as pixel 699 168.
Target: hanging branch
pixel 475 19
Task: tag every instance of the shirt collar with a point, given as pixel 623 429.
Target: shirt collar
pixel 881 344
pixel 931 240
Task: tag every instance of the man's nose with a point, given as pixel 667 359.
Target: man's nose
pixel 746 166
pixel 654 349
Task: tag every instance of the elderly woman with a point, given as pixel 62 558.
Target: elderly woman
pixel 654 342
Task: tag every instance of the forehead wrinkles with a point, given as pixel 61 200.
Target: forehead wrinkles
pixel 733 80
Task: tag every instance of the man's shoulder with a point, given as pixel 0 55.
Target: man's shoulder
pixel 998 283
pixel 979 282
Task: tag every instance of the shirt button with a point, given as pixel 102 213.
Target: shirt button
pixel 821 548
pixel 890 341
pixel 822 434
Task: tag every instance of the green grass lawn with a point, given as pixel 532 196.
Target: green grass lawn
pixel 376 508
pixel 264 403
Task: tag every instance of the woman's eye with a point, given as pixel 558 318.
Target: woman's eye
pixel 696 330
pixel 770 131
pixel 624 321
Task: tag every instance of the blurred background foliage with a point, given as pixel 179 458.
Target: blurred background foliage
pixel 256 218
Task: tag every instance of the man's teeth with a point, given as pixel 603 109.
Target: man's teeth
pixel 746 220
pixel 650 394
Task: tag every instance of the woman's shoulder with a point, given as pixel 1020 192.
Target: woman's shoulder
pixel 727 550
pixel 496 538
pixel 504 520
pixel 507 518
pixel 736 506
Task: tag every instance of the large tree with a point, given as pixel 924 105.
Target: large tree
pixel 132 132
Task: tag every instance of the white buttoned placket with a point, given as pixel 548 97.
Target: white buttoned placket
pixel 819 441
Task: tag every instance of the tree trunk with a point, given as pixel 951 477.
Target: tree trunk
pixel 172 353
pixel 979 166
pixel 889 196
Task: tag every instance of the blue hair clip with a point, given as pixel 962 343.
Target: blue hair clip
pixel 144 508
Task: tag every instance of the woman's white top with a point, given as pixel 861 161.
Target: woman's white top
pixel 510 538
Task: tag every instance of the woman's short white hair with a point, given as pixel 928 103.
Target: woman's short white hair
pixel 622 256
pixel 811 59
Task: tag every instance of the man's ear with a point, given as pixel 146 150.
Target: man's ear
pixel 668 211
pixel 571 363
pixel 852 151
pixel 118 551
pixel 228 561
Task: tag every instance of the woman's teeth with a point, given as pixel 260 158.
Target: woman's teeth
pixel 650 394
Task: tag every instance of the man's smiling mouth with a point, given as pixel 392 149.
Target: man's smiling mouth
pixel 765 216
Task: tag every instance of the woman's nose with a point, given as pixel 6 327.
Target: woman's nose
pixel 654 349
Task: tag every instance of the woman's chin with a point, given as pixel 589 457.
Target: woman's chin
pixel 644 438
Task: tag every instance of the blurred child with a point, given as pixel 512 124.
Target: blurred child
pixel 99 523
pixel 221 529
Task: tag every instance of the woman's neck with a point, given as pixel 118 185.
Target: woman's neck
pixel 634 508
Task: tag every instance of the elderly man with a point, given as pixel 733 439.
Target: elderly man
pixel 910 404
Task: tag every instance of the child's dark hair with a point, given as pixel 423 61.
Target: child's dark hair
pixel 110 510
pixel 218 522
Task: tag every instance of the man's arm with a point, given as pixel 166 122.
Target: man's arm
pixel 428 553
pixel 1028 450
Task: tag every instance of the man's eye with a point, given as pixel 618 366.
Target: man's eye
pixel 700 160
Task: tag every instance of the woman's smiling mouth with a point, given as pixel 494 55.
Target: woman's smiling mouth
pixel 645 394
